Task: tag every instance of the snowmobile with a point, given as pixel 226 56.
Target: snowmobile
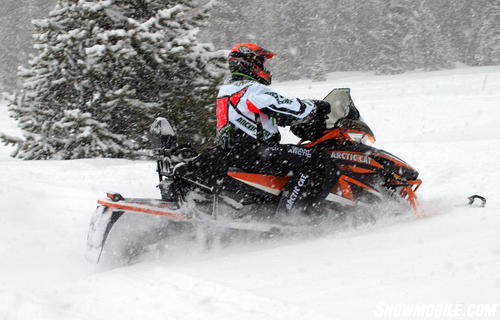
pixel 228 198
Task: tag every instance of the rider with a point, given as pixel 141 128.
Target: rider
pixel 248 116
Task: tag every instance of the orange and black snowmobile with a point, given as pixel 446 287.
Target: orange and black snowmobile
pixel 230 198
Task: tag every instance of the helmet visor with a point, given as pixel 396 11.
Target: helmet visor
pixel 252 47
pixel 265 53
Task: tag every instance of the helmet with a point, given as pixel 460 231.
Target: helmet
pixel 249 59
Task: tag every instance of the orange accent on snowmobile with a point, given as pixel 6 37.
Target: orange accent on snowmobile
pixel 123 206
pixel 356 182
pixel 344 188
pixel 273 182
pixel 409 192
pixel 334 134
pixel 160 205
pixel 354 169
pixel 340 134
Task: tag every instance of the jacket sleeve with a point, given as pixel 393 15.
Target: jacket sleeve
pixel 283 109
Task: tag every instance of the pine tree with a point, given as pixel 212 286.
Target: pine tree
pixel 385 36
pixel 488 46
pixel 432 48
pixel 15 35
pixel 391 39
pixel 106 69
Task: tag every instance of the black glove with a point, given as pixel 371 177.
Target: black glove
pixel 311 127
pixel 322 108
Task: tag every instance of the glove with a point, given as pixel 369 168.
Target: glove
pixel 322 109
pixel 311 127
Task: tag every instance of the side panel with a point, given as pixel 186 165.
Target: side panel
pixel 267 183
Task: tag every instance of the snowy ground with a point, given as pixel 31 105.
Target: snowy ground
pixel 446 124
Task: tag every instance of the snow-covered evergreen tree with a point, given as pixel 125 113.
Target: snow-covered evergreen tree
pixel 488 43
pixel 15 35
pixel 392 37
pixel 385 36
pixel 431 48
pixel 106 68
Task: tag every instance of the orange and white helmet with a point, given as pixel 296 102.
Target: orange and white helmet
pixel 249 59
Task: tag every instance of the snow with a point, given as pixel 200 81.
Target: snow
pixel 445 124
pixel 97 50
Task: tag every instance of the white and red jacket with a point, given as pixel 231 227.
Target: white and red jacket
pixel 246 108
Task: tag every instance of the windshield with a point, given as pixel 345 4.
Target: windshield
pixel 344 114
pixel 342 106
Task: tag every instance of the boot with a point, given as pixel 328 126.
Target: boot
pixel 169 185
pixel 293 201
pixel 168 189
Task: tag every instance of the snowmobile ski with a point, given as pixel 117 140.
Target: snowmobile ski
pixel 473 198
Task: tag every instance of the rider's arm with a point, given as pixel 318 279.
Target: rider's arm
pixel 283 109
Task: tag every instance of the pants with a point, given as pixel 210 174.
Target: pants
pixel 312 172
